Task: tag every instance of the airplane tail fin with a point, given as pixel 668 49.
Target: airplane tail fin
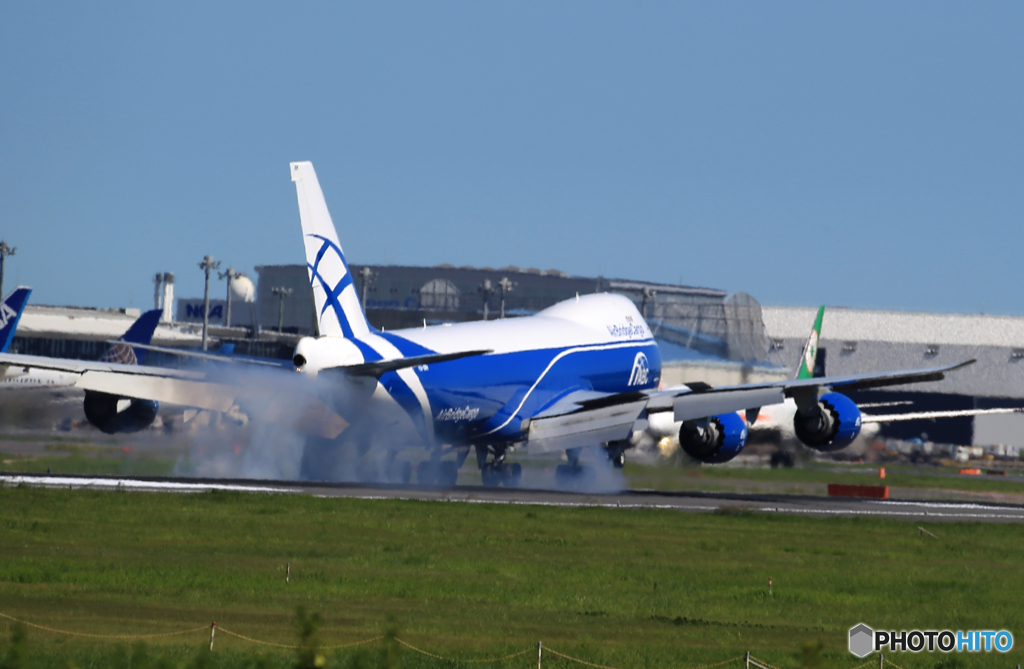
pixel 339 313
pixel 141 332
pixel 810 353
pixel 10 314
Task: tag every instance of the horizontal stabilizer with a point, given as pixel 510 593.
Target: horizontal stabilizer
pixel 382 366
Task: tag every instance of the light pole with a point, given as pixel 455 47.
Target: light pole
pixel 506 287
pixel 487 288
pixel 281 293
pixel 5 251
pixel 158 293
pixel 230 276
pixel 368 276
pixel 648 296
pixel 208 264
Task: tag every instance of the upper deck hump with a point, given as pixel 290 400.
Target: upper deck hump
pixel 587 320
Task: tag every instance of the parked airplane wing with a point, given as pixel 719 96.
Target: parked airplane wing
pixel 932 415
pixel 82 366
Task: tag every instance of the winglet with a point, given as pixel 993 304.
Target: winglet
pixel 810 353
pixel 10 313
pixel 339 313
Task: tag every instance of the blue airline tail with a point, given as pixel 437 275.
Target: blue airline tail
pixel 10 314
pixel 141 332
pixel 339 313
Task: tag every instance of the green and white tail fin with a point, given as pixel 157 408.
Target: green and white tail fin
pixel 810 353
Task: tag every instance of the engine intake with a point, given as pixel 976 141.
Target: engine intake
pixel 831 426
pixel 101 411
pixel 718 439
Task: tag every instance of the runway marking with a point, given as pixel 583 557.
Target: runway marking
pixel 930 510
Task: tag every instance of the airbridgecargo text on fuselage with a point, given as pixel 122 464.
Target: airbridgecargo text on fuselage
pixel 458 414
pixel 629 330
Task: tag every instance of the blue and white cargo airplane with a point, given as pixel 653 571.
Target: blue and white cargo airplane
pixel 582 373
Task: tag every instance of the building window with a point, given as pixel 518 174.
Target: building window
pixel 439 295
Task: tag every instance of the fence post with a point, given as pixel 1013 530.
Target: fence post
pixel 540 648
pixel 881 660
pixel 748 660
pixel 213 630
pixel 288 572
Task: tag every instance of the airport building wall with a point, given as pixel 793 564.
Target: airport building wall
pixel 855 340
pixel 692 323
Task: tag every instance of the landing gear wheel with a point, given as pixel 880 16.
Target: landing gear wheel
pixel 448 474
pixel 574 478
pixel 782 459
pixel 513 475
pixel 426 473
pixel 490 476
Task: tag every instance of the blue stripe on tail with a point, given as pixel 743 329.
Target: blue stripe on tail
pixel 333 293
pixel 10 313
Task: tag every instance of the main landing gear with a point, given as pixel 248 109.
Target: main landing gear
pixel 443 473
pixel 574 475
pixel 496 471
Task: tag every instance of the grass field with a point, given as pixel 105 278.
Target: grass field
pixel 633 589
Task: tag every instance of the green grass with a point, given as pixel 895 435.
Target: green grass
pixel 634 589
pixel 86 460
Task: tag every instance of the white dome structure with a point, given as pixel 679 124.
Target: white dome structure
pixel 242 289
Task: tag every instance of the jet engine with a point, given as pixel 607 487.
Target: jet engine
pixel 102 411
pixel 717 439
pixel 833 424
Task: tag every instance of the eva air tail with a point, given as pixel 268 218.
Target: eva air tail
pixel 339 313
pixel 810 353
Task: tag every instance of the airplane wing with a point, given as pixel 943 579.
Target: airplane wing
pixel 931 415
pixel 283 398
pixel 213 357
pixel 83 366
pixel 588 417
pixel 690 404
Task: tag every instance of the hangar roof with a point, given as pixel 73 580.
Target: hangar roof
pixel 896 327
pixel 94 324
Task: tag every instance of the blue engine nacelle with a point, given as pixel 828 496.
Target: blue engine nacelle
pixel 834 425
pixel 720 439
pixel 101 410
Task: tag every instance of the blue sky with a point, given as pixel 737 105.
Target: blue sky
pixel 860 154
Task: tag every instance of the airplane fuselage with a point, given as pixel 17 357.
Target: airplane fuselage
pixel 591 343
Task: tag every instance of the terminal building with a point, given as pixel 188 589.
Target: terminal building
pixel 703 332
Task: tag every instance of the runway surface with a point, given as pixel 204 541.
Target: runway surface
pixel 697 502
